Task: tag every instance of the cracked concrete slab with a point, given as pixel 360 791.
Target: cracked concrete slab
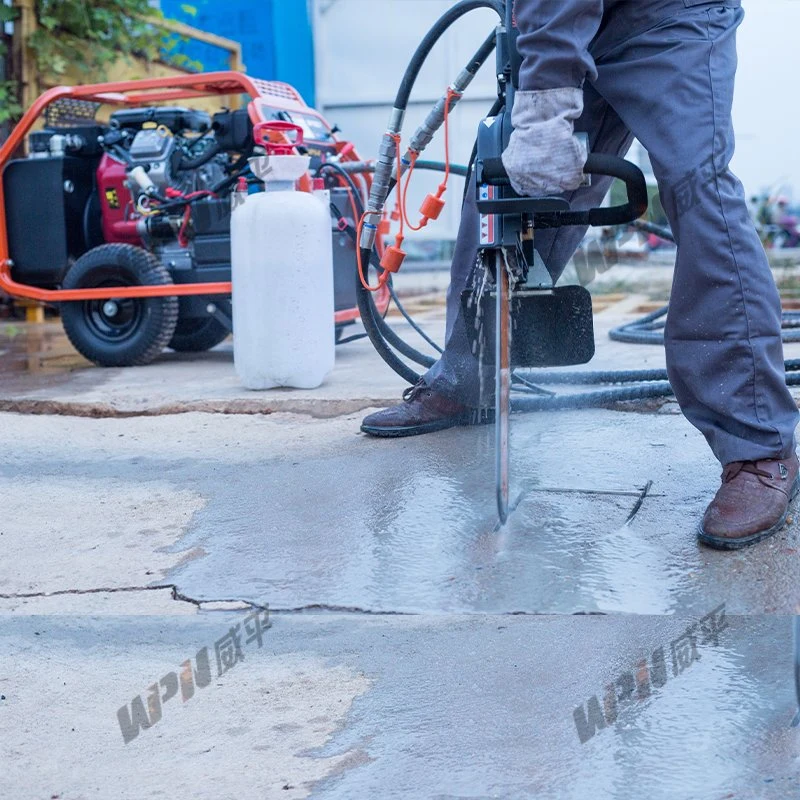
pixel 298 512
pixel 88 531
pixel 252 733
pixel 358 707
pixel 427 686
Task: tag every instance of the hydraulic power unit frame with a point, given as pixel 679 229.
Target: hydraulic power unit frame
pixel 265 97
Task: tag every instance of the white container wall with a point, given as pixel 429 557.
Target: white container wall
pixel 362 49
pixel 282 272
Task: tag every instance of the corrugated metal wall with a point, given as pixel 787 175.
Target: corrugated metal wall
pixel 275 35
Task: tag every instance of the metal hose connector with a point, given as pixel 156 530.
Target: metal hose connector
pixel 382 180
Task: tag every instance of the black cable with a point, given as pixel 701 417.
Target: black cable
pixel 410 320
pixel 369 319
pixel 357 198
pixel 591 399
pixel 587 378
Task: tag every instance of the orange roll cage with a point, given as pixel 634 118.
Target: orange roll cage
pixel 147 92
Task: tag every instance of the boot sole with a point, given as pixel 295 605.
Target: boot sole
pixel 402 432
pixel 721 543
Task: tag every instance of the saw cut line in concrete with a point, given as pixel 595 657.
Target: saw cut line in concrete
pixel 640 502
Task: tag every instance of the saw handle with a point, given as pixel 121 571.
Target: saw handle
pixel 493 172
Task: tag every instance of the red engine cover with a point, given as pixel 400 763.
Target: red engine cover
pixel 116 202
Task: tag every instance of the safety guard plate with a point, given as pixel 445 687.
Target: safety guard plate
pixel 550 329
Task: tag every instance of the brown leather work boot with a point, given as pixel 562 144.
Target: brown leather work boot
pixel 422 411
pixel 752 503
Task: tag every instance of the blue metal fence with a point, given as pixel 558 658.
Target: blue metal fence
pixel 276 37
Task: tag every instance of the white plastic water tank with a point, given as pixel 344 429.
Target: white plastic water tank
pixel 282 273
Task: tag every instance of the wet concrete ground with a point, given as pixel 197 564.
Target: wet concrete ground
pixel 347 706
pixel 407 657
pixel 296 512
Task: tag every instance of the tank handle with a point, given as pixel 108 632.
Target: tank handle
pixel 261 130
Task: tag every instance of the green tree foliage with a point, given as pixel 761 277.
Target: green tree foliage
pixel 9 105
pixel 93 35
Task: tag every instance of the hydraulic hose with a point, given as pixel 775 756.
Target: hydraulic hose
pixel 348 179
pixel 562 402
pixel 442 25
pixel 380 334
pixel 387 154
pixel 650 329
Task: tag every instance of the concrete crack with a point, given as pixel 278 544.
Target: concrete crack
pixel 316 409
pixel 334 609
pixel 171 587
pixel 310 608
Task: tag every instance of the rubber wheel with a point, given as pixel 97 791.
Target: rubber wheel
pixel 195 335
pixel 119 333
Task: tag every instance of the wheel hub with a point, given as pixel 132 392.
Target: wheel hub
pixel 110 308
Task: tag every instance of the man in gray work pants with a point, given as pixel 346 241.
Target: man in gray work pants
pixel 662 71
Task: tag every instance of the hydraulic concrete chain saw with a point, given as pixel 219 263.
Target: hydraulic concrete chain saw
pixel 523 320
pixel 518 318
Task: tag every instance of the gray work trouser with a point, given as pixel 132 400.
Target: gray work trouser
pixel 671 87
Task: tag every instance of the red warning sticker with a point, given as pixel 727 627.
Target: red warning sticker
pixel 487 220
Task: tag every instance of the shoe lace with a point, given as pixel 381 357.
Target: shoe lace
pixel 732 470
pixel 413 392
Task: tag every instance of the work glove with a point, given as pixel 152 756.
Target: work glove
pixel 544 157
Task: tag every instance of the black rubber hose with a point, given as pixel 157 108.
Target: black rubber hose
pixel 379 323
pixel 429 362
pixel 591 399
pixel 357 198
pixel 650 329
pixel 442 25
pixel 371 320
pixel 589 378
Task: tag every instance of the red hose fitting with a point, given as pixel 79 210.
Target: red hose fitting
pixel 393 259
pixel 432 207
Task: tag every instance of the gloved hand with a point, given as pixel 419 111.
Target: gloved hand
pixel 544 157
